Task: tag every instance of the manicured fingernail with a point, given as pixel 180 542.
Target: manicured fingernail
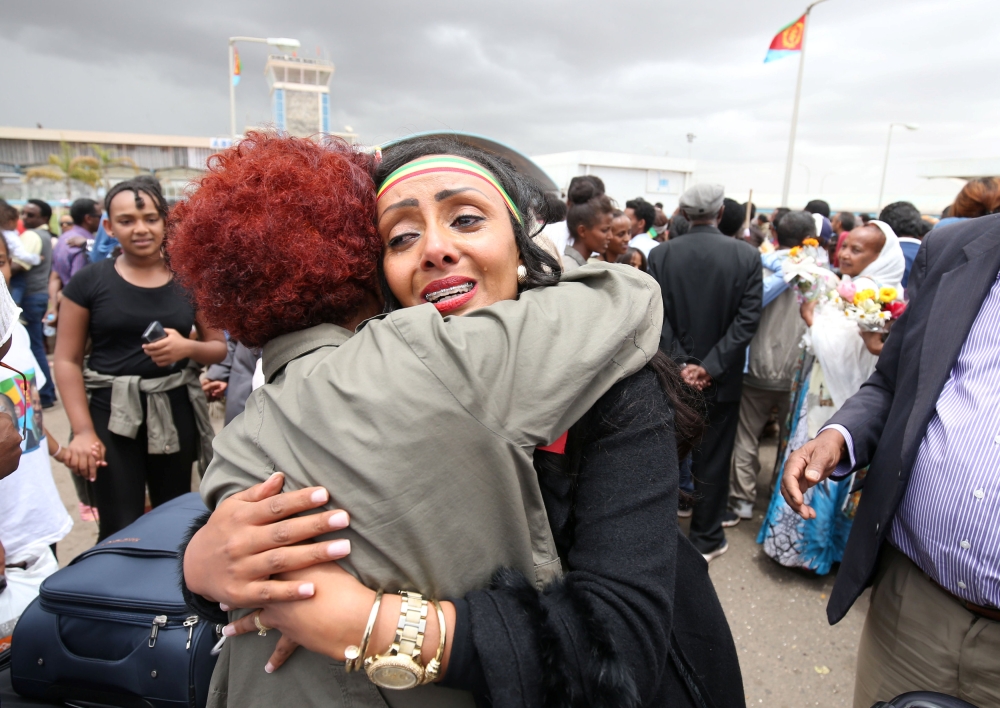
pixel 229 631
pixel 307 589
pixel 319 496
pixel 339 548
pixel 224 607
pixel 339 520
pixel 269 667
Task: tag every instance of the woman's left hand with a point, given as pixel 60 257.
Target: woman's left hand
pixel 327 623
pixel 873 341
pixel 170 349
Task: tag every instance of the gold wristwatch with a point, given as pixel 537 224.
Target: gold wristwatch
pixel 400 667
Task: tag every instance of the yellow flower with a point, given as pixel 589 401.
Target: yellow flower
pixel 862 295
pixel 886 294
pixel 810 242
pixel 795 252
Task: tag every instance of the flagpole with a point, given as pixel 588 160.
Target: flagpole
pixel 795 110
pixel 232 89
pixel 283 43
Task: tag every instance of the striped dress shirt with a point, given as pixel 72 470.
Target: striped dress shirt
pixel 948 522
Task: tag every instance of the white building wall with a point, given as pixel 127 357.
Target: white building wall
pixel 625 176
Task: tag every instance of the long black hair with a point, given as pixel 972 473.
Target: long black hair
pixel 527 196
pixel 542 269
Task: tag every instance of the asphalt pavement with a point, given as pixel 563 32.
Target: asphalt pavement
pixel 790 656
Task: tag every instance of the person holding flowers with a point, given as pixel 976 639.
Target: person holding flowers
pixel 836 361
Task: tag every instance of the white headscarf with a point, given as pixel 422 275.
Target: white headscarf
pixel 834 339
pixel 888 268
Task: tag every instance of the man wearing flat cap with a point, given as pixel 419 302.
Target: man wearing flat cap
pixel 712 294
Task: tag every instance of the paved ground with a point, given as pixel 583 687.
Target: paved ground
pixel 790 656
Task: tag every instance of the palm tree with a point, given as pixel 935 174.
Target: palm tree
pixel 106 162
pixel 67 167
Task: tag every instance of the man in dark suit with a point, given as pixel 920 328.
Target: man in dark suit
pixel 712 293
pixel 927 530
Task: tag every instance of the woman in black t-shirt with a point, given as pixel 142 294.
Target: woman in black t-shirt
pixel 113 302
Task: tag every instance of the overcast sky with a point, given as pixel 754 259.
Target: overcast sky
pixel 546 77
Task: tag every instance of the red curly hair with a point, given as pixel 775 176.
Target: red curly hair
pixel 279 236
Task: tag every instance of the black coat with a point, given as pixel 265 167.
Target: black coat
pixel 712 288
pixel 237 370
pixel 952 274
pixel 635 621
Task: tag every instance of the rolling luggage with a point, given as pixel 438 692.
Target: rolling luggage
pixel 112 628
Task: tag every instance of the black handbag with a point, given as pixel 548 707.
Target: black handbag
pixel 112 628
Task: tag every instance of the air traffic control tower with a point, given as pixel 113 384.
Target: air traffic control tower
pixel 300 94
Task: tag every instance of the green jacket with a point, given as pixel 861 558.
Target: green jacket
pixel 423 428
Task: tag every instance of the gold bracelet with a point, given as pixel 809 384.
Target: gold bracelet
pixel 356 654
pixel 433 668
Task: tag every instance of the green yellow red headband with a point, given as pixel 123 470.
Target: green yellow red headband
pixel 447 163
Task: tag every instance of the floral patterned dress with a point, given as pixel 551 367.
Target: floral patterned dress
pixel 814 544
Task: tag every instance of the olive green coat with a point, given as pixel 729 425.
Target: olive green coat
pixel 423 428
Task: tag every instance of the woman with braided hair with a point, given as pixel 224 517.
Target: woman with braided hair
pixel 123 439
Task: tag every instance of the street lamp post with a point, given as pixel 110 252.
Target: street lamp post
pixel 885 164
pixel 823 181
pixel 809 177
pixel 283 43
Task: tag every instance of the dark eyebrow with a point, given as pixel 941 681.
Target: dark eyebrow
pixel 403 203
pixel 448 193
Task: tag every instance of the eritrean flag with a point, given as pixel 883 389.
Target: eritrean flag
pixel 788 40
pixel 237 67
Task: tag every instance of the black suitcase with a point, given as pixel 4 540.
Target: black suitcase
pixel 112 628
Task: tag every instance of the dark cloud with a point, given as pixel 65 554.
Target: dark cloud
pixel 543 76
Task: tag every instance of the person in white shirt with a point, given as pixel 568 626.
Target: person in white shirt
pixel 32 515
pixel 8 224
pixel 642 214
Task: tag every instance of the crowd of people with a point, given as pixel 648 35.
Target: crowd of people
pixel 512 460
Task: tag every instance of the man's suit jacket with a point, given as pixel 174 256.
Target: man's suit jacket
pixel 953 273
pixel 712 287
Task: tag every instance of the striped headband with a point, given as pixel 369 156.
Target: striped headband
pixel 447 163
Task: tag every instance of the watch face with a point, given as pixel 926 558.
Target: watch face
pixel 395 677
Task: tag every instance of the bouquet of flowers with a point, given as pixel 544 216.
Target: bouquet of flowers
pixel 869 304
pixel 805 269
